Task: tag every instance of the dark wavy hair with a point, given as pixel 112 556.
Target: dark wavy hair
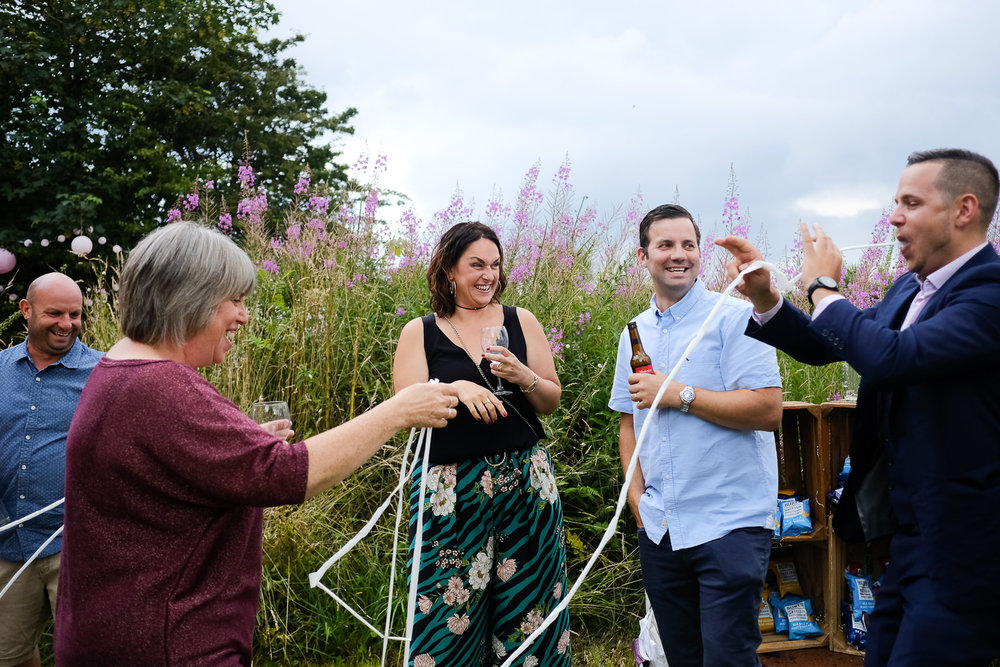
pixel 451 246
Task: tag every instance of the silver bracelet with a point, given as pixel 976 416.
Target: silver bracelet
pixel 531 387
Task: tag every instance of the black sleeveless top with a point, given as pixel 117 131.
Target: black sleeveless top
pixel 466 437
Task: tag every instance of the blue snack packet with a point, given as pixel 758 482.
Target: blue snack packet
pixel 862 598
pixel 798 611
pixel 845 471
pixel 855 631
pixel 794 517
pixel 780 619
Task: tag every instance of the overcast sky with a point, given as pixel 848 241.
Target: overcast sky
pixel 815 104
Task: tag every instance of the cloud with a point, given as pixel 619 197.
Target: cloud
pixel 842 203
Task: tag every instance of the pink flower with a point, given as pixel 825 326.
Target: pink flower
pixel 458 623
pixel 174 215
pixel 531 622
pixel 401 311
pixel 424 660
pixel 269 265
pixel 506 569
pixel 563 643
pixel 424 603
pixel 486 481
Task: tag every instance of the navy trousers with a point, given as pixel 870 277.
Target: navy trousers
pixel 706 598
pixel 910 627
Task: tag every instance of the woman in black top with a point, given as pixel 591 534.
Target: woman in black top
pixel 493 560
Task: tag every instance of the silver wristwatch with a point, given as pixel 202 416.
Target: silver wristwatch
pixel 687 398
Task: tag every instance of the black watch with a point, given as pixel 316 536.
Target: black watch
pixel 826 282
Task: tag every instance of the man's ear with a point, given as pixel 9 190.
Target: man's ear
pixel 25 307
pixel 966 209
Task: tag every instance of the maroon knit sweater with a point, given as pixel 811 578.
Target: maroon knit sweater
pixel 161 560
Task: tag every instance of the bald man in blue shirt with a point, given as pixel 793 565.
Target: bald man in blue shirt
pixel 40 384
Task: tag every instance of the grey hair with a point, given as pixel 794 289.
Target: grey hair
pixel 174 280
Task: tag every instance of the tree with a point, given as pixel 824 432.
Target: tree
pixel 111 109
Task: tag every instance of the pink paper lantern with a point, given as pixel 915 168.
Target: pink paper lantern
pixel 7 261
pixel 81 245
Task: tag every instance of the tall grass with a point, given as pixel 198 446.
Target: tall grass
pixel 335 286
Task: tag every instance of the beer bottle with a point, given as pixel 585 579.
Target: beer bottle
pixel 640 362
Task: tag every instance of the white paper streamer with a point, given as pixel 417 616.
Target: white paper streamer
pixel 315 578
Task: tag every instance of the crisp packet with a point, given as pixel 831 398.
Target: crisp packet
pixel 862 598
pixel 765 619
pixel 845 471
pixel 855 631
pixel 794 517
pixel 788 579
pixel 780 618
pixel 798 611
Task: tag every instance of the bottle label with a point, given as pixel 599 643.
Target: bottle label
pixel 648 370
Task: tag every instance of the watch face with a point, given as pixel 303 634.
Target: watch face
pixel 827 282
pixel 687 394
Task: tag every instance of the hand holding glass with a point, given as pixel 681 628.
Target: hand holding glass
pixel 272 415
pixel 495 336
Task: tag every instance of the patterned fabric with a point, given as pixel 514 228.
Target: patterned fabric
pixel 493 562
pixel 36 408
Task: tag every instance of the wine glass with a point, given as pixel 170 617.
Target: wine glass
pixel 263 412
pixel 495 337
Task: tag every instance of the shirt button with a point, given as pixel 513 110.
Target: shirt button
pixel 663 438
pixel 663 331
pixel 38 379
pixel 666 477
pixel 24 467
pixel 32 407
pixel 670 511
pixel 27 437
pixel 22 496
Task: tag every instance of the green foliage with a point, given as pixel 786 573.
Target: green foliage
pixel 110 109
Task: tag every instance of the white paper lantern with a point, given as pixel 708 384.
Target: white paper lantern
pixel 61 238
pixel 7 261
pixel 81 245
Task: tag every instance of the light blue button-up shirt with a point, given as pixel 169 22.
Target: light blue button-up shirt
pixel 36 408
pixel 702 480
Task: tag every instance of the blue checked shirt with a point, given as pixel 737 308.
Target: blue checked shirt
pixel 36 408
pixel 702 480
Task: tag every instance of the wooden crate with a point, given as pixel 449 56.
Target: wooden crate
pixel 803 465
pixel 836 428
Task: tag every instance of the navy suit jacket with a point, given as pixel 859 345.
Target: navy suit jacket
pixel 927 423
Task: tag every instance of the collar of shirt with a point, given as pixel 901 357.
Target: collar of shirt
pixel 677 311
pixel 71 359
pixel 942 275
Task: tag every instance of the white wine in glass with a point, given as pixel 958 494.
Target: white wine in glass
pixel 495 337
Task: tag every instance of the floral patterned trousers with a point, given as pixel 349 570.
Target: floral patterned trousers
pixel 493 562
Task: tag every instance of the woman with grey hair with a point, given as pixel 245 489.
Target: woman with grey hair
pixel 166 478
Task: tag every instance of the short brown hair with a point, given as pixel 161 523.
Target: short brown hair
pixel 964 172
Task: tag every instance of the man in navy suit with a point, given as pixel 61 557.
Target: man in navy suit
pixel 925 452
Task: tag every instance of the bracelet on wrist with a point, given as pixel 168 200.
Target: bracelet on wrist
pixel 531 387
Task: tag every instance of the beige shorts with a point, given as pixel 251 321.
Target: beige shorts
pixel 26 606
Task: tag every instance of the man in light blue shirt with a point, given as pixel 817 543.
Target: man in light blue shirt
pixel 705 490
pixel 40 384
